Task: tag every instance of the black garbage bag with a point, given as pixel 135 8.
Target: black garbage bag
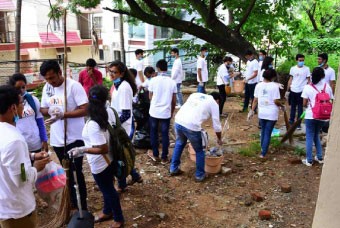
pixel 141 140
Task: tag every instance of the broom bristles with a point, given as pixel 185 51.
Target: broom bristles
pixel 63 214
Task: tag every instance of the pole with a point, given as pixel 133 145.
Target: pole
pixel 65 81
pixel 122 43
pixel 17 35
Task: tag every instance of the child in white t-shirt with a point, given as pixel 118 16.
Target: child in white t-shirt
pixel 267 95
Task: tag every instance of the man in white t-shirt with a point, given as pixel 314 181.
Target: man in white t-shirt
pixel 262 55
pixel 188 124
pixel 177 75
pixel 252 68
pixel 162 92
pixel 53 105
pixel 138 65
pixel 202 70
pixel 17 201
pixel 329 71
pixel 299 77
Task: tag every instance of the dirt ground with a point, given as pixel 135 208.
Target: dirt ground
pixel 223 200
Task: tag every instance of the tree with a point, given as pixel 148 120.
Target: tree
pixel 17 35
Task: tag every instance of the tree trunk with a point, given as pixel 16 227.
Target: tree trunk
pixel 17 35
pixel 121 36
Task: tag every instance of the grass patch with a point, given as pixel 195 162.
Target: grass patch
pixel 275 143
pixel 299 151
pixel 251 150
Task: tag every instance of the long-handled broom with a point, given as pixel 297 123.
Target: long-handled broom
pixel 293 128
pixel 63 214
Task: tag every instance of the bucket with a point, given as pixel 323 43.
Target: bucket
pixel 213 164
pixel 227 90
pixel 239 86
pixel 192 153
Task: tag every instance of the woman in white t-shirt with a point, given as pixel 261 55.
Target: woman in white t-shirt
pixel 123 90
pixel 313 126
pixel 96 139
pixel 31 125
pixel 267 95
pixel 266 64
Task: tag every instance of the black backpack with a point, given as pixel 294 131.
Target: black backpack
pixel 121 149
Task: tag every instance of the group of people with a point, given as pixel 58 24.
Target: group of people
pixel 87 107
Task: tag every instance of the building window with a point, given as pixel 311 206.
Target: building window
pixel 97 22
pixel 137 31
pixel 101 54
pixel 115 23
pixel 116 55
pixel 162 33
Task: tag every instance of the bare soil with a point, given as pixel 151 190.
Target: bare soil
pixel 223 200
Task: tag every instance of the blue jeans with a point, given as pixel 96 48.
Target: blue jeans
pixel 313 128
pixel 201 89
pixel 165 124
pixel 195 138
pixel 295 100
pixel 132 128
pixel 223 97
pixel 179 96
pixel 104 181
pixel 267 127
pixel 249 94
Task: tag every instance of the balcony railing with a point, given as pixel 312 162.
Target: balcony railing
pixel 7 37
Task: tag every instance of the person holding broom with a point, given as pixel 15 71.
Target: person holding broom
pixel 96 137
pixel 53 105
pixel 17 176
pixel 266 98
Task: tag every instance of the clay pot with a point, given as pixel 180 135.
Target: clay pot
pixel 227 90
pixel 239 86
pixel 192 153
pixel 213 164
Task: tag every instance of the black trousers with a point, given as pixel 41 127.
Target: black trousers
pixel 223 94
pixel 78 166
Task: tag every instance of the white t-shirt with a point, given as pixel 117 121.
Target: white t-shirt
pixel 162 88
pixel 94 136
pixel 146 83
pixel 15 201
pixel 177 71
pixel 138 65
pixel 329 75
pixel 260 75
pixel 198 108
pixel 251 66
pixel 310 93
pixel 259 70
pixel 202 64
pixel 54 97
pixel 121 99
pixel 222 71
pixel 300 75
pixel 28 126
pixel 267 93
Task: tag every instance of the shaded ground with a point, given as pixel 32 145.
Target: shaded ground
pixel 223 199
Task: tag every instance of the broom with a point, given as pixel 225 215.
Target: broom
pixel 287 125
pixel 63 214
pixel 293 128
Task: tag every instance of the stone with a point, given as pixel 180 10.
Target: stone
pixel 285 187
pixel 256 196
pixel 135 225
pixel 226 170
pixel 265 215
pixel 248 201
pixel 161 216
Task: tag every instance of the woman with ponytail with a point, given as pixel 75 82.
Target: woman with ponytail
pixel 96 137
pixel 313 125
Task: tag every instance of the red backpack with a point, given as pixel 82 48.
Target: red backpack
pixel 322 109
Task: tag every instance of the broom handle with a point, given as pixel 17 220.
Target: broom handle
pixel 76 186
pixel 65 84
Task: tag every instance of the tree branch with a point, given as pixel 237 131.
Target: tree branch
pixel 212 14
pixel 117 11
pixel 310 14
pixel 246 15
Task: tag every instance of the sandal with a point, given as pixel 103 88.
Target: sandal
pixel 117 224
pixel 102 218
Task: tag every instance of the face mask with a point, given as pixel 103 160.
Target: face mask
pixel 116 80
pixel 206 54
pixel 300 64
pixel 261 58
pixel 321 65
pixel 270 66
pixel 140 58
pixel 16 116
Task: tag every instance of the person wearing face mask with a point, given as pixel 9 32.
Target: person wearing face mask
pixel 299 77
pixel 251 72
pixel 90 76
pixel 329 71
pixel 31 124
pixel 17 201
pixel 262 56
pixel 123 90
pixel 266 64
pixel 138 65
pixel 202 70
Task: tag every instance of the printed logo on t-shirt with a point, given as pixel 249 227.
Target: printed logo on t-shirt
pixel 28 111
pixel 56 101
pixel 265 97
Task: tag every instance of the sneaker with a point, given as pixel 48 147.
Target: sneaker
pixel 305 162
pixel 261 156
pixel 177 107
pixel 153 158
pixel 164 161
pixel 200 179
pixel 318 160
pixel 177 172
